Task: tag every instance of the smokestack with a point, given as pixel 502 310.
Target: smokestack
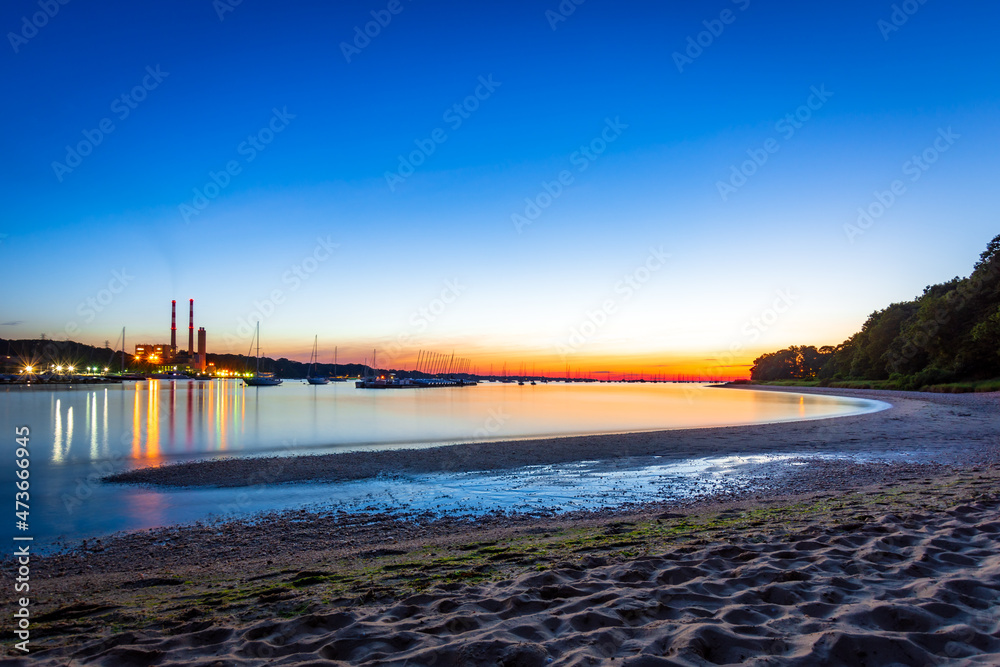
pixel 173 327
pixel 191 330
pixel 202 346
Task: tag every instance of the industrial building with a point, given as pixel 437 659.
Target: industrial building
pixel 162 354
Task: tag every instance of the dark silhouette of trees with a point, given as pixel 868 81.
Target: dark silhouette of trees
pixel 794 363
pixel 949 333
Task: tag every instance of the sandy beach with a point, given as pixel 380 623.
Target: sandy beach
pixel 845 564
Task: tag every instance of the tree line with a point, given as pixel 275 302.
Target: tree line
pixel 950 333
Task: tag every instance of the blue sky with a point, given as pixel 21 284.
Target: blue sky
pixel 521 295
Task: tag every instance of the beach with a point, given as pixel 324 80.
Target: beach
pixel 940 424
pixel 842 563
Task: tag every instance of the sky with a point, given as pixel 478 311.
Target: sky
pixel 655 187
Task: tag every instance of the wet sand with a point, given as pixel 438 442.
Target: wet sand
pixel 847 564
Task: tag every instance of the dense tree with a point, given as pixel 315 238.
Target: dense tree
pixel 950 332
pixel 793 363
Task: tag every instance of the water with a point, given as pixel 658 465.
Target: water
pixel 80 434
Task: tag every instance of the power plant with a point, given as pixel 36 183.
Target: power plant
pixel 162 354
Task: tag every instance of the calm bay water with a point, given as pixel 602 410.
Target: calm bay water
pixel 82 433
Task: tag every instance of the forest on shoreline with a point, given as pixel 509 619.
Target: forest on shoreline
pixel 949 334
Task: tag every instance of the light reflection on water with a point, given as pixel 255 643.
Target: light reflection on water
pixel 186 419
pixel 155 422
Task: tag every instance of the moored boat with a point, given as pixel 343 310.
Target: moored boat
pixel 259 379
pixel 311 376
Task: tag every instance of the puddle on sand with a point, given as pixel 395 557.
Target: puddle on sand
pixel 582 485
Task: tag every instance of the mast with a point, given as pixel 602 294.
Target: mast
pixel 312 368
pixel 123 350
pixel 258 349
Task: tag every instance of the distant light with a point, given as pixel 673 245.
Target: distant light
pixel 29 369
pixel 58 368
pixel 70 368
pixel 105 369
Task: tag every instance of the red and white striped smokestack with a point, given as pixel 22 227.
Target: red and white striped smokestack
pixel 173 327
pixel 191 330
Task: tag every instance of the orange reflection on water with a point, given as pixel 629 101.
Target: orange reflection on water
pixel 153 423
pixel 221 416
pixel 151 430
pixel 136 426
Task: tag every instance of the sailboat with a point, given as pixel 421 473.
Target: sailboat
pixel 336 377
pixel 310 377
pixel 260 379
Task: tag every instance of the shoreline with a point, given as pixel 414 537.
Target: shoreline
pixel 869 432
pixel 898 562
